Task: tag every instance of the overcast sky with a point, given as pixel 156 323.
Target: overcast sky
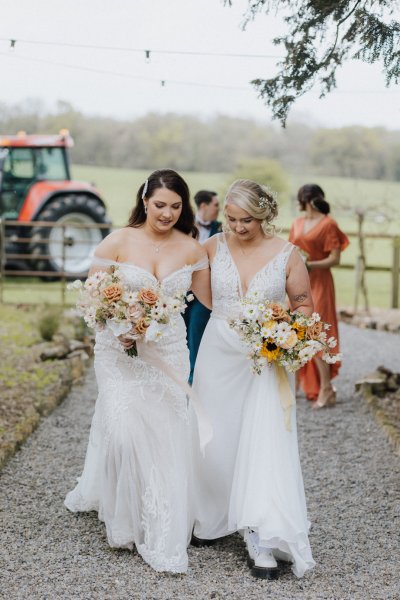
pixel 129 86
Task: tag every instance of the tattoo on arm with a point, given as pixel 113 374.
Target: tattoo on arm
pixel 300 297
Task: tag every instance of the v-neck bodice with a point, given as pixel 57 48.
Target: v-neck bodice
pixel 227 289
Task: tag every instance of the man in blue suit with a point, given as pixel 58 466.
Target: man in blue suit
pixel 196 315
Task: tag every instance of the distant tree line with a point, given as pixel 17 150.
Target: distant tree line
pixel 217 144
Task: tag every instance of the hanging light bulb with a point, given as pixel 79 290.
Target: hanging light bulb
pixel 12 45
pixel 147 56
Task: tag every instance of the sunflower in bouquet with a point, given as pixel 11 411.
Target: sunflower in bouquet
pixel 275 334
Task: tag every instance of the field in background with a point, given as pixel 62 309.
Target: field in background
pixel 119 186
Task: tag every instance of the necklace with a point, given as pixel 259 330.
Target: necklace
pixel 158 246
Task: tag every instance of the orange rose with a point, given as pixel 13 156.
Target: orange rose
pixel 313 332
pixel 278 312
pixel 112 293
pixel 148 297
pixel 141 326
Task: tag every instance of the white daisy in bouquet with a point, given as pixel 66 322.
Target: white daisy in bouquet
pixel 106 300
pixel 274 333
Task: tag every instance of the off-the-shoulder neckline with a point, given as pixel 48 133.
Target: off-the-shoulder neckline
pixel 132 265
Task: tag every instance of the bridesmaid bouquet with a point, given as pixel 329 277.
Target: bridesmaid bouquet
pixel 273 333
pixel 107 301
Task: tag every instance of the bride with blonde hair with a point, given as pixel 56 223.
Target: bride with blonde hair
pixel 249 479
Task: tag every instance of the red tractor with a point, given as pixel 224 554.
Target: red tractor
pixel 36 186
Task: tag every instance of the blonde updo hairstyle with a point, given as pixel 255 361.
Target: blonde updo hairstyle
pixel 259 201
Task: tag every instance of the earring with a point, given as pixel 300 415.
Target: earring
pixel 145 208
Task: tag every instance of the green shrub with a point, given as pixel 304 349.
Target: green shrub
pixel 49 323
pixel 266 172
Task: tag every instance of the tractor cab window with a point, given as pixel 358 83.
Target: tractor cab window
pixel 19 164
pixel 21 168
pixel 51 164
pixel 18 173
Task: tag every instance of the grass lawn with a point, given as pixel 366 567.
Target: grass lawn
pixel 119 187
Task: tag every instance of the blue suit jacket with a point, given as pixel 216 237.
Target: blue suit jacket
pixel 196 318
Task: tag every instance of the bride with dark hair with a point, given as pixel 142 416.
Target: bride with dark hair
pixel 136 470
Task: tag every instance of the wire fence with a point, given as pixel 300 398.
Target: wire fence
pixel 30 273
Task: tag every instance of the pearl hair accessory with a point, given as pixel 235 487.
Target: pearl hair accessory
pixel 146 185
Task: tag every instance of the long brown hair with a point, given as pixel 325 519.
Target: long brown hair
pixel 165 178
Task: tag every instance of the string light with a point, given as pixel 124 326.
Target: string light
pixel 126 75
pixel 147 59
pixel 141 50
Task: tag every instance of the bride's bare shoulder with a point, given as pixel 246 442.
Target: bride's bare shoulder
pixel 193 250
pixel 211 244
pixel 110 247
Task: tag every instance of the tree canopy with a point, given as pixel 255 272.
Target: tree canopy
pixel 322 34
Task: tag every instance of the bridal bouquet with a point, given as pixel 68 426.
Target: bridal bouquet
pixel 106 301
pixel 273 333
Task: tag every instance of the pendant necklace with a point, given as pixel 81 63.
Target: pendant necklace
pixel 158 246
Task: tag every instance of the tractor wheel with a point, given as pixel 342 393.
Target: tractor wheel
pixel 69 213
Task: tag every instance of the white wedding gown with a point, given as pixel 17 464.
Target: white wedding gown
pixel 137 462
pixel 250 475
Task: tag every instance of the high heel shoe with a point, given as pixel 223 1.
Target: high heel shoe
pixel 326 400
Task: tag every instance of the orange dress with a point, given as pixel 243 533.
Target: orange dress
pixel 318 243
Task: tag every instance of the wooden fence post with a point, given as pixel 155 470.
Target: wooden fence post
pixel 63 278
pixel 395 272
pixel 2 256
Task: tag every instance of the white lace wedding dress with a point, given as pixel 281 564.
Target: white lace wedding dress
pixel 137 461
pixel 250 475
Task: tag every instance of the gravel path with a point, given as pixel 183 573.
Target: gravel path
pixel 352 485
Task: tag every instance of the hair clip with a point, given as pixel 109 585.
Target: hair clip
pixel 146 185
pixel 271 198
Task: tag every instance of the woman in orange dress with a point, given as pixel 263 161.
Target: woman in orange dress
pixel 322 242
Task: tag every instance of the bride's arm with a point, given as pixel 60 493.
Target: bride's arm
pixel 108 249
pixel 201 286
pixel 298 285
pixel 201 279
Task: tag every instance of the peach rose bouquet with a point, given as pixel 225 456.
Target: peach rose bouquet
pixel 273 333
pixel 107 301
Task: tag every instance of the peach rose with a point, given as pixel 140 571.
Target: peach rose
pixel 141 325
pixel 112 292
pixel 134 312
pixel 148 297
pixel 313 332
pixel 278 312
pixel 291 341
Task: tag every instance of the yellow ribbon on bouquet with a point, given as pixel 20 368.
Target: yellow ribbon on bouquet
pixel 286 396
